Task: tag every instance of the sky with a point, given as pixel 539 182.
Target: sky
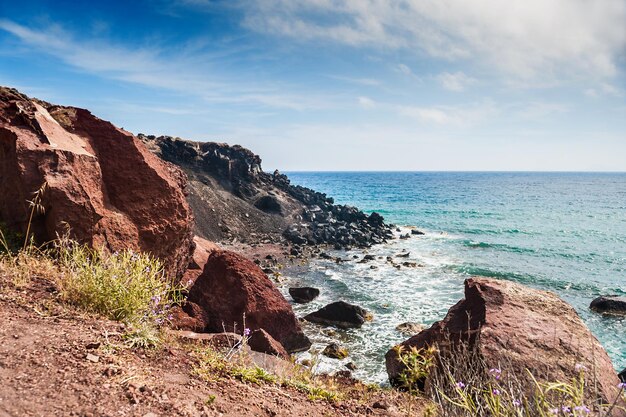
pixel 374 85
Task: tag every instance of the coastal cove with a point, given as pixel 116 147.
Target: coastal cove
pixel 562 232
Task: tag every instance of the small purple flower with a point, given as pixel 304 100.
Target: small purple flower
pixel 554 411
pixel 580 367
pixel 496 392
pixel 156 299
pixel 582 408
pixel 566 409
pixel 621 385
pixel 460 385
pixel 495 372
pixel 517 403
pixel 246 332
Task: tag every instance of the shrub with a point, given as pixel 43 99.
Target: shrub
pixel 460 386
pixel 125 286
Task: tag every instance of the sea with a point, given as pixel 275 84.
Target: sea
pixel 563 232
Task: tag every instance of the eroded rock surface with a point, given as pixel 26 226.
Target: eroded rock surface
pixel 233 198
pixel 522 328
pixel 103 185
pixel 236 294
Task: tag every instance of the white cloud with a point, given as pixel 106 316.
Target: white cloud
pixel 456 81
pixel 183 70
pixel 524 38
pixel 404 69
pixel 604 89
pixel 367 103
pixel 459 116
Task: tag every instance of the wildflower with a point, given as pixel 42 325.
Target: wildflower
pixel 582 408
pixel 566 409
pixel 554 411
pixel 621 385
pixel 495 372
pixel 460 385
pixel 517 403
pixel 156 299
pixel 496 392
pixel 246 332
pixel 580 367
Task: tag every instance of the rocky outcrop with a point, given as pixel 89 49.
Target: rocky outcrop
pixel 303 295
pixel 335 351
pixel 340 314
pixel 236 294
pixel 262 341
pixel 518 327
pixel 102 183
pixel 232 198
pixel 609 304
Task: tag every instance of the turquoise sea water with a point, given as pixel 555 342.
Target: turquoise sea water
pixel 564 232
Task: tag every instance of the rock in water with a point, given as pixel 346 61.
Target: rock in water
pixel 335 351
pixel 231 287
pixel 410 328
pixel 303 294
pixel 102 182
pixel 609 304
pixel 524 328
pixel 340 314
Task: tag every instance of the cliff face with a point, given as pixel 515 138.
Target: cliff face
pixel 95 181
pixel 233 198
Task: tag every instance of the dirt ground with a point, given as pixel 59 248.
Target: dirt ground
pixel 57 361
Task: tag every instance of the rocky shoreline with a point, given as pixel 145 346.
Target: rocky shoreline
pixel 222 227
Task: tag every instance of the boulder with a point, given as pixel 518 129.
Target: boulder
pixel 303 294
pixel 203 248
pixel 189 317
pixel 103 186
pixel 261 341
pixel 236 294
pixel 335 351
pixel 609 304
pixel 269 204
pixel 340 314
pixel 410 328
pixel 517 327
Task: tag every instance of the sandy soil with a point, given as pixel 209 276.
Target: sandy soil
pixel 57 361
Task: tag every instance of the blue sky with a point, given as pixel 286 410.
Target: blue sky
pixel 341 85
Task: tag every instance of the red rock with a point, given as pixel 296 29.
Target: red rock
pixel 103 183
pixel 189 317
pixel 200 255
pixel 261 341
pixel 519 328
pixel 232 286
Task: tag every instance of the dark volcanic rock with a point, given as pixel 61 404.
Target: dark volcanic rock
pixel 235 293
pixel 622 375
pixel 261 341
pixel 232 197
pixel 340 314
pixel 521 327
pixel 268 204
pixel 303 294
pixel 103 185
pixel 609 304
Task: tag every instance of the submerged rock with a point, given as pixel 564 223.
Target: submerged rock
pixel 303 295
pixel 335 351
pixel 340 314
pixel 103 186
pixel 609 304
pixel 410 328
pixel 518 327
pixel 236 294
